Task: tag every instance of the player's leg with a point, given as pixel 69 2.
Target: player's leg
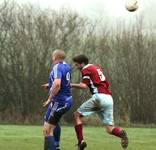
pixel 79 130
pixel 49 141
pixel 106 115
pixel 119 132
pixel 84 110
pixel 55 116
pixel 57 134
pixel 111 129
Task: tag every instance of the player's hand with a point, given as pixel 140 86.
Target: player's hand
pixel 46 103
pixel 71 85
pixel 45 86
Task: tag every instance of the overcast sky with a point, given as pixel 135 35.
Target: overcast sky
pixel 99 8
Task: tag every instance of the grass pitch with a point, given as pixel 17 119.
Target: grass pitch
pixel 14 137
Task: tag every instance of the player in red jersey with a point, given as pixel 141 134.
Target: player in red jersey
pixel 101 101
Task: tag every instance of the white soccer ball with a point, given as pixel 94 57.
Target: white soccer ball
pixel 131 5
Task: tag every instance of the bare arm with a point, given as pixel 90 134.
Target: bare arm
pixel 45 86
pixel 53 91
pixel 79 85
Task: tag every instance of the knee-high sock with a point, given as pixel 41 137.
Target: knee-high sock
pixel 49 143
pixel 79 132
pixel 57 134
pixel 116 131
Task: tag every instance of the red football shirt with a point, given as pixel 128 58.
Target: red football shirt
pixel 95 79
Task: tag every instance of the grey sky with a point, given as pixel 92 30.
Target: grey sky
pixel 101 8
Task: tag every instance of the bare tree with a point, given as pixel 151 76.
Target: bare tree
pixel 28 35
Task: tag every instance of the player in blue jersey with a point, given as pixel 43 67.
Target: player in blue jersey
pixel 59 100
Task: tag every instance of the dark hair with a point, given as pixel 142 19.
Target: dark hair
pixel 81 59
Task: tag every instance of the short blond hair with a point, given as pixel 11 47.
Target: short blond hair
pixel 59 54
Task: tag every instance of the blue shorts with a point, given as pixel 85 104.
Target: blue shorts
pixel 56 110
pixel 102 104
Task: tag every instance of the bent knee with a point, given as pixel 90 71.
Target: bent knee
pixel 46 131
pixel 77 114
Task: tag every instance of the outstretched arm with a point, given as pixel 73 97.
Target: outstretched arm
pixel 45 86
pixel 79 85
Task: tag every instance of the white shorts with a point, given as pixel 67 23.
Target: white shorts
pixel 102 104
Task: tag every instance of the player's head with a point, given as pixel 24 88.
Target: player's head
pixel 58 55
pixel 80 61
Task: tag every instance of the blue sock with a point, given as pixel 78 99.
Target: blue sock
pixel 57 133
pixel 49 143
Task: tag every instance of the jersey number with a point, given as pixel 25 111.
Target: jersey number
pixel 101 75
pixel 68 78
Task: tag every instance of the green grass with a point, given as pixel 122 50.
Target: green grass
pixel 14 137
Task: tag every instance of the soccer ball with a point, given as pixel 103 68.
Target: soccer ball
pixel 131 5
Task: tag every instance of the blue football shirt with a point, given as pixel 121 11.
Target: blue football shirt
pixel 61 70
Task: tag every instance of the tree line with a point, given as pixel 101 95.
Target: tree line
pixel 29 34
